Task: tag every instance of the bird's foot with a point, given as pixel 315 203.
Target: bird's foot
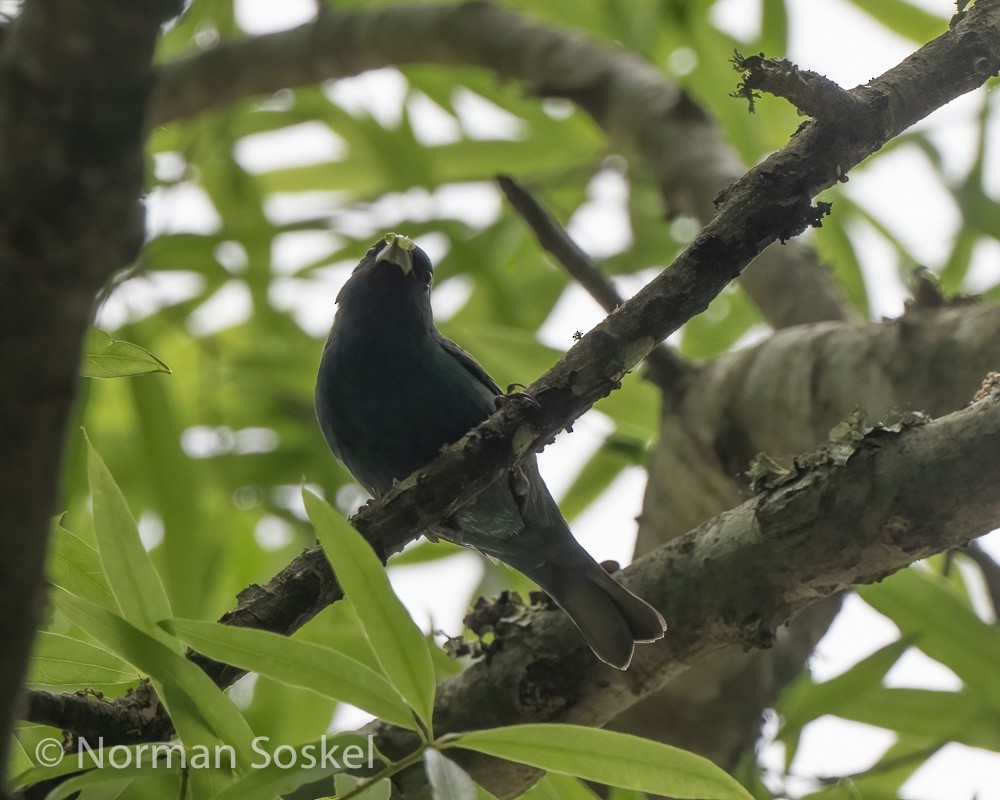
pixel 517 393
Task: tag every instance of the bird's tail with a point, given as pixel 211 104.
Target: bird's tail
pixel 609 616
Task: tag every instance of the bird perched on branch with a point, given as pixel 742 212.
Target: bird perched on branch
pixel 392 391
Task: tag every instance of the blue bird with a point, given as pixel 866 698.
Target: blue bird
pixel 391 391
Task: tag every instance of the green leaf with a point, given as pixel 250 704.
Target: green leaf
pixel 76 567
pixel 398 643
pixel 20 761
pixel 615 759
pixel 554 786
pixel 310 666
pixel 725 320
pixel 203 704
pixel 268 779
pixel 379 790
pixel 617 793
pixel 597 474
pixel 945 716
pixel 114 778
pixel 774 27
pixel 906 19
pixel 448 780
pixel 104 357
pixel 805 701
pixel 930 613
pixel 68 664
pixel 90 760
pixel 127 566
pixel 836 248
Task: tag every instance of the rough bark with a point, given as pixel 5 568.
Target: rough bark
pixel 737 579
pixel 783 397
pixel 74 80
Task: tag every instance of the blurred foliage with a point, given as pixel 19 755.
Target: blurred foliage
pixel 257 213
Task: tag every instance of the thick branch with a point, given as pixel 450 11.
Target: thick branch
pixel 783 396
pixel 733 581
pixel 629 98
pixel 71 172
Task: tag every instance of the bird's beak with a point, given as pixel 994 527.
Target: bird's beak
pixel 398 250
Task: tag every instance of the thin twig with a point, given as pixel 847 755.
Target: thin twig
pixel 665 368
pixel 990 570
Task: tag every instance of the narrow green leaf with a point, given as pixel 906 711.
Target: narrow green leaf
pixel 944 716
pixel 805 701
pixel 774 27
pixel 207 704
pixel 837 248
pixel 380 790
pixel 104 357
pixel 106 790
pixel 597 474
pixel 127 567
pixel 268 779
pixel 554 786
pixel 448 780
pixel 76 567
pixel 615 759
pixel 68 664
pixel 20 761
pixel 398 643
pixel 89 761
pixel 937 621
pixel 906 19
pixel 311 666
pixel 617 793
pixel 115 778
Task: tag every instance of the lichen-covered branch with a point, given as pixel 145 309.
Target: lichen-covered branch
pixel 853 516
pixel 782 397
pixel 811 93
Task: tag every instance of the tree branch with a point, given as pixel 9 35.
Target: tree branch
pixel 900 496
pixel 811 93
pixel 629 98
pixel 666 368
pixel 71 172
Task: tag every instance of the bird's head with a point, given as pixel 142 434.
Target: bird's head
pixel 394 277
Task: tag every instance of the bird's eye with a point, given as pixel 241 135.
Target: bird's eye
pixel 424 276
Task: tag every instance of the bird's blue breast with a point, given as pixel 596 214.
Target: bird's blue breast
pixel 388 404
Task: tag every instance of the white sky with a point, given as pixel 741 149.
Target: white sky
pixel 822 32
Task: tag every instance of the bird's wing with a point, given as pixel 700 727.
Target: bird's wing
pixel 471 365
